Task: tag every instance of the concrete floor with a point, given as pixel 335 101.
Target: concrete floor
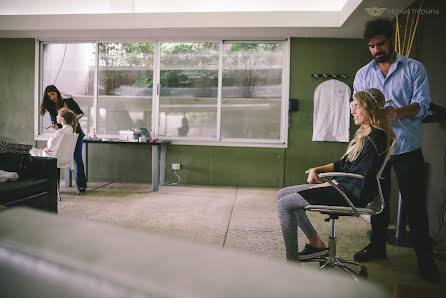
pixel 234 218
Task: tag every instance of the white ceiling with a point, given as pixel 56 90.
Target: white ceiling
pixel 36 7
pixel 187 20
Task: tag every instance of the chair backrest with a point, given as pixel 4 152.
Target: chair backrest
pixel 378 203
pixel 65 151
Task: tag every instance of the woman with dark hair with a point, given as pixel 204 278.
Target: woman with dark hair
pixel 53 102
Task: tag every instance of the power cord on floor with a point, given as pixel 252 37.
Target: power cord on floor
pixel 174 183
pixel 175 172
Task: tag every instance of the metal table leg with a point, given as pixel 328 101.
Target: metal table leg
pixel 163 164
pixel 155 168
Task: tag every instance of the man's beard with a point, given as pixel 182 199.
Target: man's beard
pixel 385 57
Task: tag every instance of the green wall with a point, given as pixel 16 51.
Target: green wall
pixel 202 165
pixel 17 89
pixel 309 55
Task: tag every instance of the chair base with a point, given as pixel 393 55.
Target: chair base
pixel 333 261
pixel 75 183
pixel 330 262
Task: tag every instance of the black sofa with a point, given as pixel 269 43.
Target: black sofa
pixel 37 188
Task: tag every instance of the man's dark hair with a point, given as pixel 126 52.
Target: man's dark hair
pixel 377 27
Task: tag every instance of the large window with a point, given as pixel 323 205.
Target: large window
pixel 188 89
pixel 125 86
pixel 216 93
pixel 252 90
pixel 70 67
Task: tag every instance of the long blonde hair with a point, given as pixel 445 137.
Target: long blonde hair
pixel 371 101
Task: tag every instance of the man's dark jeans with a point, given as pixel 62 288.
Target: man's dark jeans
pixel 409 170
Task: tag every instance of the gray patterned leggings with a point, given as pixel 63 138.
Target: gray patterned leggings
pixel 290 207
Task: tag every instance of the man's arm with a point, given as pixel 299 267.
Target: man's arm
pixel 420 101
pixel 408 111
pixel 358 82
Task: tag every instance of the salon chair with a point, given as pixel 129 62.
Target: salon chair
pixel 334 212
pixel 64 155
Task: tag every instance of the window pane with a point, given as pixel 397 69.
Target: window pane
pixel 70 67
pixel 125 82
pixel 188 93
pixel 252 90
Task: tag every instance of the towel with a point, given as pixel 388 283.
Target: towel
pixel 8 176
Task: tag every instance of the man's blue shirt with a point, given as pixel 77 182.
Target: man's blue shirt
pixel 405 83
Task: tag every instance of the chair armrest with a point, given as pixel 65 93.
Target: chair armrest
pixel 343 195
pixel 340 174
pixel 334 174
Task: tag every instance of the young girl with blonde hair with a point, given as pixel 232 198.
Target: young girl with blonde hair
pixel 365 155
pixel 68 120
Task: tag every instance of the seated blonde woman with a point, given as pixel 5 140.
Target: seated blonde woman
pixel 68 120
pixel 365 155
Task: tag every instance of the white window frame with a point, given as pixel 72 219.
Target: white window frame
pixel 239 142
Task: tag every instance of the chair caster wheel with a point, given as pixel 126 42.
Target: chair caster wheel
pixel 363 273
pixel 321 263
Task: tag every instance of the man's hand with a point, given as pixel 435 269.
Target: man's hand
pixel 46 149
pixel 392 112
pixel 408 111
pixel 312 177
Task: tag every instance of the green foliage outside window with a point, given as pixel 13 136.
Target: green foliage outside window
pixel 131 64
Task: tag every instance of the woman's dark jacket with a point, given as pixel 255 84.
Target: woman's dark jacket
pixel 72 105
pixel 367 164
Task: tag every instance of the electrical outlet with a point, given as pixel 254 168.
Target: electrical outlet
pixel 175 166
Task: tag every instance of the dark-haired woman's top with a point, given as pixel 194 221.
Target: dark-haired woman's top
pixel 72 105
